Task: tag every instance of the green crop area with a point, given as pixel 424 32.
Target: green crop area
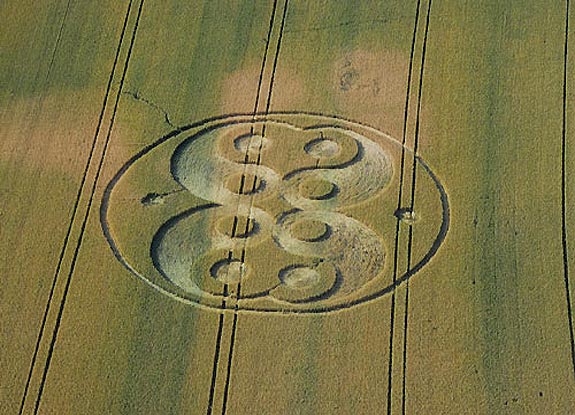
pixel 287 207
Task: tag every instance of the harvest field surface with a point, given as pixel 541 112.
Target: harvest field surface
pixel 287 207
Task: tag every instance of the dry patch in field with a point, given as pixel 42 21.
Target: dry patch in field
pixel 371 83
pixel 234 87
pixel 237 83
pixel 39 136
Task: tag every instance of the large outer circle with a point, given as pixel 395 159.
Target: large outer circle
pixel 321 119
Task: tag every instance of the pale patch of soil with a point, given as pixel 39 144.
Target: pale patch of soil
pixel 370 86
pixel 240 89
pixel 43 134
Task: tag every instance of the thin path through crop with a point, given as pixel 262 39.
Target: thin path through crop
pixel 92 192
pixel 564 189
pixel 253 189
pixel 410 209
pixel 234 231
pixel 412 206
pixel 75 208
pixel 399 205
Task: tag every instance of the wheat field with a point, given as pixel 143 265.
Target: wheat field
pixel 287 207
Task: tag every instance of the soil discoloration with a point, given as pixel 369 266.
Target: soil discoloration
pixel 371 86
pixel 239 89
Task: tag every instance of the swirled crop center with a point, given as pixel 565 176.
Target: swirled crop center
pixel 283 212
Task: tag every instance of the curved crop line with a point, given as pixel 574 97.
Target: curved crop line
pixel 355 159
pixel 169 224
pixel 242 118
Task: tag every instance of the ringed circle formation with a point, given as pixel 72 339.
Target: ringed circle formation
pixel 279 213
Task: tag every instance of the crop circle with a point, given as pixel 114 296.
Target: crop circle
pixel 318 239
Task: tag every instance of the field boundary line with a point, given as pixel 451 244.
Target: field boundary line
pixel 75 208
